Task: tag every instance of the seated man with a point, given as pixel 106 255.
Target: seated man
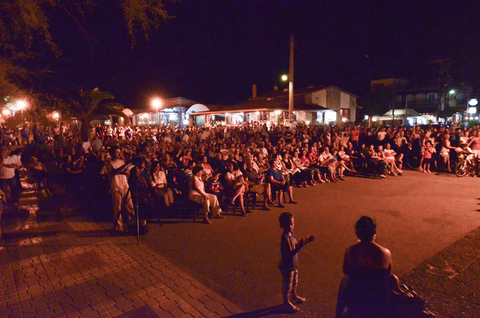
pixel 364 291
pixel 278 184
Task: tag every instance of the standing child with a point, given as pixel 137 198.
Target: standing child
pixel 428 150
pixel 289 248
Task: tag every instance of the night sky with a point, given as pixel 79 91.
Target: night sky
pixel 213 51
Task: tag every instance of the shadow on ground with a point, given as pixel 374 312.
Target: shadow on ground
pixel 275 310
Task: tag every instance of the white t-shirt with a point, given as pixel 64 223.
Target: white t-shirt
pixel 86 145
pixel 119 181
pixel 8 173
pixel 389 154
pixel 159 179
pixel 381 135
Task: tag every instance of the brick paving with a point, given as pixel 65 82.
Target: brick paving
pixel 54 264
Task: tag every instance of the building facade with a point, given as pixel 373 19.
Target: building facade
pixel 449 103
pixel 312 105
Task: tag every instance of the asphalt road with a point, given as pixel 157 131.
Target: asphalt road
pixel 418 215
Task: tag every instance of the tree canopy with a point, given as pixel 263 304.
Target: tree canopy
pixel 25 32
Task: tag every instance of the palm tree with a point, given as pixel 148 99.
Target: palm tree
pixel 90 104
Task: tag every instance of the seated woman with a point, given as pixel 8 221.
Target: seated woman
pixel 236 186
pixel 168 162
pixel 186 159
pixel 278 184
pixel 158 181
pixel 305 162
pixel 313 156
pixel 300 171
pixel 341 165
pixel 328 163
pixel 207 168
pixel 364 291
pixel 390 159
pixel 376 161
pixel 197 194
pixel 347 156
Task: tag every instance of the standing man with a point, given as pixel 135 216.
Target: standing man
pixel 7 175
pixel 25 133
pixel 121 195
pixel 474 144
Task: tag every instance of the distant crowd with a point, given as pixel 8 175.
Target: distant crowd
pixel 218 166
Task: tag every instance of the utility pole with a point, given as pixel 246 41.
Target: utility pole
pixel 290 82
pixel 443 81
pixel 393 101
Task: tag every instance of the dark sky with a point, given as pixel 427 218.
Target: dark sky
pixel 213 51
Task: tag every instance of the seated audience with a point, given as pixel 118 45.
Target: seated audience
pixel 197 194
pixel 158 181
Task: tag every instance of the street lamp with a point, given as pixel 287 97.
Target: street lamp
pixel 472 107
pixel 21 104
pixel 449 96
pixel 473 102
pixel 284 77
pixel 157 104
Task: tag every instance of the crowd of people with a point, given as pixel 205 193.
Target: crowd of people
pixel 218 166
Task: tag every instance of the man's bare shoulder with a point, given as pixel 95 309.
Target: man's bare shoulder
pixel 384 250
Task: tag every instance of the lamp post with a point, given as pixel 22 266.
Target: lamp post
pixel 451 94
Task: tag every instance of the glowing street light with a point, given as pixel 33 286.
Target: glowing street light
pixel 21 104
pixel 284 77
pixel 56 115
pixel 451 92
pixel 157 103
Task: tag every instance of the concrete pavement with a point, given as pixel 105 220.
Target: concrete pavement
pixel 421 217
pixel 449 280
pixel 56 263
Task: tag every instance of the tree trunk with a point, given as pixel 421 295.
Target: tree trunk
pixel 84 129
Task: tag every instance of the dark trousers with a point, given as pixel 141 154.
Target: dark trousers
pixel 12 183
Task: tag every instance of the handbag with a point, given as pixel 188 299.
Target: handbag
pixel 405 302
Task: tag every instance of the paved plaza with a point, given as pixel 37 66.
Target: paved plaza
pixel 56 262
pixel 60 264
